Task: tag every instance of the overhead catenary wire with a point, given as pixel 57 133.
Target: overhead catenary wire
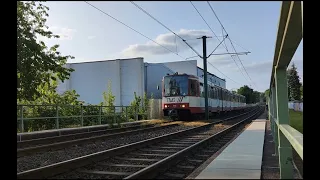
pixel 217 37
pixel 218 46
pixel 223 73
pixel 133 29
pixel 239 45
pixel 139 7
pixel 230 41
pixel 184 39
pixel 205 21
pixel 155 41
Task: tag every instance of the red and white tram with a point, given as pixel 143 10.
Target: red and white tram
pixel 183 97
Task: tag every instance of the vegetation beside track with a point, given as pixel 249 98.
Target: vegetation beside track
pixel 296 120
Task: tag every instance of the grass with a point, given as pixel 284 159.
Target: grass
pixel 296 120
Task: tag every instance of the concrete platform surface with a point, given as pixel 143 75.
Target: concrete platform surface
pixel 242 159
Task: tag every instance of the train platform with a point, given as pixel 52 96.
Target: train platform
pixel 248 156
pixel 242 158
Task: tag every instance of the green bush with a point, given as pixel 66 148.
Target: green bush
pixel 70 110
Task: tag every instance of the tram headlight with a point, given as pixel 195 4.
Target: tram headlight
pixel 165 106
pixel 183 105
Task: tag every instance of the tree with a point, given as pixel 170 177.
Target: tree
pixel 267 93
pixel 255 97
pixel 301 91
pixel 36 63
pixel 109 99
pixel 247 92
pixel 294 84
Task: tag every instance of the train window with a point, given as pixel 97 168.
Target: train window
pixel 223 94
pixel 213 92
pixel 218 93
pixel 201 90
pixel 193 89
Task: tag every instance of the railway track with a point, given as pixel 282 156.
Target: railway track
pixel 76 135
pixel 29 147
pixel 54 143
pixel 203 152
pixel 141 159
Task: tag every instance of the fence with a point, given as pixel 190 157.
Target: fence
pixel 45 117
pixel 296 106
pixel 285 137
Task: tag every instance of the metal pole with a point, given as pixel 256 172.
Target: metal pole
pixel 126 114
pixel 57 116
pixel 81 116
pixel 275 118
pixel 285 150
pixel 114 115
pixel 204 38
pixel 21 116
pixel 100 109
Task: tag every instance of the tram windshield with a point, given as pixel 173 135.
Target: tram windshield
pixel 175 86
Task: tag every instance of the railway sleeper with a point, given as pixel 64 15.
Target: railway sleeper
pixel 176 145
pixel 140 154
pixel 158 150
pixel 137 159
pixel 105 172
pixel 123 165
pixel 174 175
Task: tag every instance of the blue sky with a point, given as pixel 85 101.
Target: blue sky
pixel 90 35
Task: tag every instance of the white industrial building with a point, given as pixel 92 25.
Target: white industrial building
pixel 127 76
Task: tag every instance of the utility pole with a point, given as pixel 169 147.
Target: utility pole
pixel 205 84
pixel 205 71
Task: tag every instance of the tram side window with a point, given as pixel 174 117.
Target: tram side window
pixel 223 96
pixel 218 94
pixel 201 90
pixel 193 87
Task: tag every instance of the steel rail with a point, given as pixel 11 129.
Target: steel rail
pixel 65 166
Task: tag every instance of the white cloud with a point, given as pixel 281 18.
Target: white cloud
pixel 167 40
pixel 223 60
pixel 91 37
pixel 64 33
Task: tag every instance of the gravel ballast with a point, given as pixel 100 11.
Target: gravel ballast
pixel 43 159
pixel 96 167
